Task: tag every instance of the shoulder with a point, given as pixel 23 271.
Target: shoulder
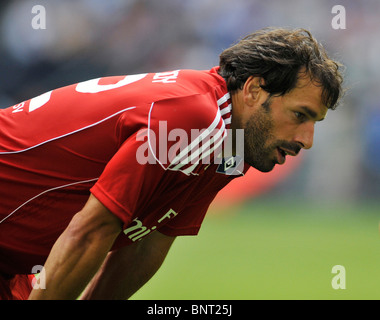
pixel 186 130
pixel 189 98
pixel 189 112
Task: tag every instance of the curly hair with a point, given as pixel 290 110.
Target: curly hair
pixel 278 56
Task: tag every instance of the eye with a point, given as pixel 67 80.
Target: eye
pixel 300 116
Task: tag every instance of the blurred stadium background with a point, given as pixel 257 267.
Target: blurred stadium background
pixel 274 236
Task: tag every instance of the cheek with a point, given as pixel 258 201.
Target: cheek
pixel 284 127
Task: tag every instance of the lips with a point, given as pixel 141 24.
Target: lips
pixel 282 153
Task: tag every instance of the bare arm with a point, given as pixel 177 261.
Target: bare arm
pixel 126 270
pixel 79 252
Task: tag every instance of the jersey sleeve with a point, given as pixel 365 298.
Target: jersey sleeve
pixel 125 185
pixel 190 220
pixel 144 177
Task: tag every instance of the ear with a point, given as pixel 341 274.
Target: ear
pixel 252 92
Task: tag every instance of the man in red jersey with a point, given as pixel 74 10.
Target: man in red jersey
pixel 98 178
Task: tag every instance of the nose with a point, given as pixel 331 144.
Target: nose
pixel 305 136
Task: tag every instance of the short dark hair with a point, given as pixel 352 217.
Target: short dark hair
pixel 278 55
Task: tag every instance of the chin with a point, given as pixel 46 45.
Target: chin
pixel 265 170
pixel 262 167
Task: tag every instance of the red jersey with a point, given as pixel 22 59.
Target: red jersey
pixel 135 142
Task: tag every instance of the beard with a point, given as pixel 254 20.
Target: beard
pixel 258 131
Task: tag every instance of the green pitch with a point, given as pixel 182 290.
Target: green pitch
pixel 274 251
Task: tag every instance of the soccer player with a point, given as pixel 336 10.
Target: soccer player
pixel 97 179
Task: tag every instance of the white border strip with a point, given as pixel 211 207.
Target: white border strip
pixel 46 191
pixel 67 134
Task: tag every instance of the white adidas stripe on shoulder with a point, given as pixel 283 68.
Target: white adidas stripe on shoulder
pixel 199 148
pixel 223 99
pixel 204 135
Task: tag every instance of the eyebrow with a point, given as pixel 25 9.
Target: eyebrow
pixel 311 113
